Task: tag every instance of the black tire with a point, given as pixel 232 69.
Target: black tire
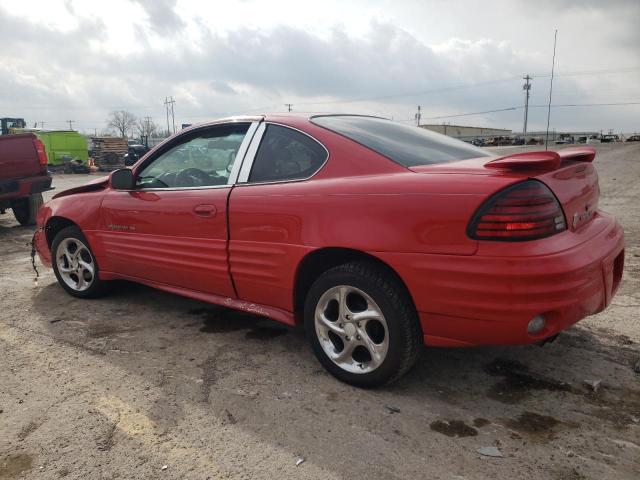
pixel 98 287
pixel 26 209
pixel 404 332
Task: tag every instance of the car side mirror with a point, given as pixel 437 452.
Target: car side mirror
pixel 121 179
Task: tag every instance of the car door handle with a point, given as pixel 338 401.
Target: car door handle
pixel 205 210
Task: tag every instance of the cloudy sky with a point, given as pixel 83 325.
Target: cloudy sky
pixel 78 60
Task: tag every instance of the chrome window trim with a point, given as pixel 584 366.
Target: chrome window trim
pixel 242 151
pixel 247 164
pixel 246 142
pixel 243 179
pixel 173 189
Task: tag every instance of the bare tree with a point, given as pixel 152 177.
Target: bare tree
pixel 146 127
pixel 121 121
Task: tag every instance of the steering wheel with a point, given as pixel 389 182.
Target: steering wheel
pixel 192 177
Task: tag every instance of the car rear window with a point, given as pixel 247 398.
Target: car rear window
pixel 407 145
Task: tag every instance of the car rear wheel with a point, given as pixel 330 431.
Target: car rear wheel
pixel 26 209
pixel 74 264
pixel 362 324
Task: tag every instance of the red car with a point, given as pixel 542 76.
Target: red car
pixel 378 237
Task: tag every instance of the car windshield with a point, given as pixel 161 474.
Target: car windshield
pixel 407 145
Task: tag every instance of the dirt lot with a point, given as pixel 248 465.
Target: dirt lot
pixel 123 386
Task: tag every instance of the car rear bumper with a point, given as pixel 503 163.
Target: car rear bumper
pixel 489 300
pixel 23 187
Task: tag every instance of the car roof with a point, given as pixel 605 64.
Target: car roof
pixel 274 116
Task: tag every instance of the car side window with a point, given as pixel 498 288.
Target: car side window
pixel 203 158
pixel 286 154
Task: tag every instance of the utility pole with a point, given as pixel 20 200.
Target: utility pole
pixel 288 105
pixel 170 101
pixel 173 117
pixel 526 87
pixel 418 116
pixel 70 124
pixel 147 131
pixel 166 107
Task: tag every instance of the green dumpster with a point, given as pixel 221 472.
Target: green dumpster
pixel 63 145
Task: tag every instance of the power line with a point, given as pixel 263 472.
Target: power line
pixel 614 104
pixel 412 94
pixel 473 113
pixel 89 124
pixel 470 85
pixel 589 72
pixel 630 69
pixel 561 105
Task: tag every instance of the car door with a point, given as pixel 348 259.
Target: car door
pixel 171 228
pixel 266 210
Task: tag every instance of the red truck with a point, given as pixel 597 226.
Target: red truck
pixel 23 176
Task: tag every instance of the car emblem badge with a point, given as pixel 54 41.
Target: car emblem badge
pixel 580 218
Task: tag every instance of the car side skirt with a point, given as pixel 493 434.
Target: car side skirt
pixel 272 313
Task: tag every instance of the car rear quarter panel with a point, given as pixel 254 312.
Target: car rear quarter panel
pixel 273 226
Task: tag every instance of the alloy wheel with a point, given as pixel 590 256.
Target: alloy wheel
pixel 351 329
pixel 75 264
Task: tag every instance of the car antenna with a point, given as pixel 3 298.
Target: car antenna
pixel 553 64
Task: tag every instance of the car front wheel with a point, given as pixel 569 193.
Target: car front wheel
pixel 74 264
pixel 362 324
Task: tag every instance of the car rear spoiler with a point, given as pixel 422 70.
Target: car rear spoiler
pixel 542 160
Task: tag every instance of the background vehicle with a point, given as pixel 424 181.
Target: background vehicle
pixel 633 138
pixel 6 124
pixel 609 138
pixel 23 176
pixel 564 139
pixel 136 151
pixel 376 245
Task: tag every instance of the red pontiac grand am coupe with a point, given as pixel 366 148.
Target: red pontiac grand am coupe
pixel 378 237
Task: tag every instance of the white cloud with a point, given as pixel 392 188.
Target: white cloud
pixel 78 60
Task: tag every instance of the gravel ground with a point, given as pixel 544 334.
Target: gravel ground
pixel 143 384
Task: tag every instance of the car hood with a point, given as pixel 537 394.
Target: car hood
pixel 95 184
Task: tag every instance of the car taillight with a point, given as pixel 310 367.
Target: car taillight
pixel 525 211
pixel 42 153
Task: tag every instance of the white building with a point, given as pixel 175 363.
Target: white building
pixel 461 131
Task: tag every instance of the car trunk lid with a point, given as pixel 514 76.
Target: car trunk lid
pixel 569 173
